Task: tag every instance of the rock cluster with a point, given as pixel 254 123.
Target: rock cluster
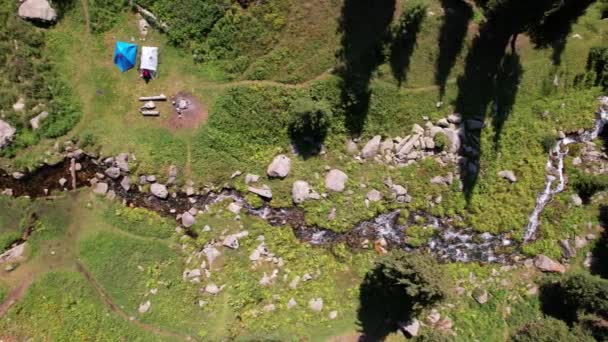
pixel 419 144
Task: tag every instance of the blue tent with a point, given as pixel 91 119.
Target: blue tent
pixel 125 55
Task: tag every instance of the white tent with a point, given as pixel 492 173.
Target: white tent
pixel 149 58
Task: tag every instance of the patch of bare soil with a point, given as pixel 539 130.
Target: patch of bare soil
pixel 188 112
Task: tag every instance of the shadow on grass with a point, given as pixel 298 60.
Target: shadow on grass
pixel 365 28
pixel 404 41
pixel 382 306
pixel 600 250
pixel 458 14
pixel 554 29
pixel 506 86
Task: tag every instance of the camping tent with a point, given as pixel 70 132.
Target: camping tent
pixel 125 55
pixel 149 58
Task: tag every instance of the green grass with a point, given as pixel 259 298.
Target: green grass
pixel 139 221
pixel 63 307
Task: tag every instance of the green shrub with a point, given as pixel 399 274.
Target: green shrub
pixel 418 235
pixel 547 330
pixel 597 62
pixel 441 141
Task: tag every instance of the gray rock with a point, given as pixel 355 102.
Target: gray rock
pixel 433 131
pixel 351 147
pixel 251 178
pixel 371 148
pixel 480 295
pixel 569 251
pixel 417 129
pixel 100 188
pixel 19 106
pixel 454 119
pixel 7 132
pixel 269 307
pixel 292 303
pixel 580 242
pixel 188 220
pixel 112 172
pixel 398 190
pixel 235 208
pixel 125 183
pixel 576 200
pixel 405 148
pixel 454 139
pixel 374 196
pixel 333 314
pixel 37 10
pixel 36 120
pixel 316 304
pixel 62 182
pixel 263 191
pixel 280 166
pixel 546 264
pixel 151 178
pixel 301 191
pixel 443 123
pixel 335 180
pixel 387 146
pixel 235 174
pixel 508 175
pixel 411 328
pixel 122 161
pixel 159 190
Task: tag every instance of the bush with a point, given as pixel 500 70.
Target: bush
pixel 597 62
pixel 441 141
pixel 588 184
pixel 547 330
pixel 398 288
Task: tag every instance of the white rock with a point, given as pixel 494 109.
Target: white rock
pixel 301 191
pixel 125 183
pixel 7 132
pixel 37 10
pixel 188 220
pixel 374 196
pixel 112 172
pixel 143 308
pixel 335 180
pixel 280 166
pixel 576 200
pixel 316 304
pixel 292 303
pixel 251 178
pixel 508 175
pixel 263 191
pixel 412 328
pixel 36 120
pixel 333 314
pixel 211 253
pixel 212 289
pixel 235 208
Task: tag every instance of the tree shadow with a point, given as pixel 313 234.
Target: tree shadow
pixel 476 92
pixel 382 306
pixel 554 29
pixel 506 85
pixel 404 41
pixel 308 126
pixel 453 32
pixel 600 250
pixel 552 303
pixel 365 28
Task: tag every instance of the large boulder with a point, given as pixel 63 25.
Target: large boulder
pixel 37 10
pixel 335 180
pixel 7 132
pixel 546 264
pixel 280 166
pixel 371 148
pixel 301 191
pixel 159 190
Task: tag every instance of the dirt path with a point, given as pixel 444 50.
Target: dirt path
pixel 15 295
pixel 87 19
pixel 120 312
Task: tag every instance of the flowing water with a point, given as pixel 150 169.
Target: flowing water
pixel 449 241
pixel 555 168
